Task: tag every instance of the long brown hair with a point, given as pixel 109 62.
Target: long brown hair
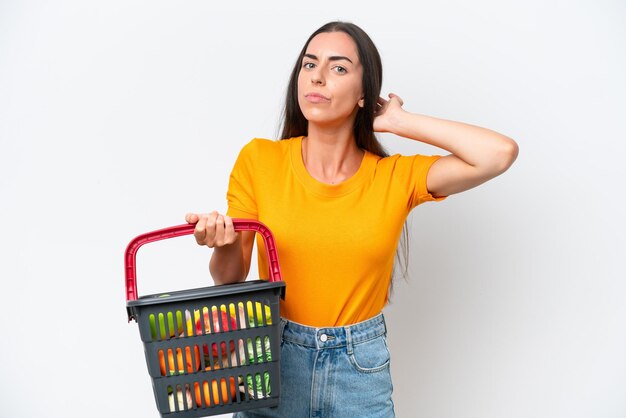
pixel 295 124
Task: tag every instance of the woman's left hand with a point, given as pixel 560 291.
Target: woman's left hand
pixel 387 113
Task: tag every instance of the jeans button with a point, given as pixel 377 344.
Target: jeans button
pixel 323 338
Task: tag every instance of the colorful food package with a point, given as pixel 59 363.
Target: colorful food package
pixel 218 321
pixel 168 327
pixel 250 316
pixel 258 386
pixel 259 351
pixel 258 314
pixel 171 367
pixel 228 391
pixel 211 322
pixel 184 401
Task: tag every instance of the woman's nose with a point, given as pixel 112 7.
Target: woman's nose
pixel 317 78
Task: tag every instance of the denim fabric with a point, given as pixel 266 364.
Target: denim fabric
pixel 335 372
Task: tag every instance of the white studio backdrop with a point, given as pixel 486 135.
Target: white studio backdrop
pixel 118 117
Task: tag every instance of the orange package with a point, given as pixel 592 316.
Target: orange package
pixel 179 367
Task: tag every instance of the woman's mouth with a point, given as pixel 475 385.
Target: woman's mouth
pixel 316 98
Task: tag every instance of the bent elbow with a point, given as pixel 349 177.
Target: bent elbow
pixel 506 155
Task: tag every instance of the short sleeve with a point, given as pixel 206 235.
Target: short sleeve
pixel 415 168
pixel 240 195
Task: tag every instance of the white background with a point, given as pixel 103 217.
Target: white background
pixel 118 117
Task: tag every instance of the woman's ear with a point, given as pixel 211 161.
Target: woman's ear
pixel 361 102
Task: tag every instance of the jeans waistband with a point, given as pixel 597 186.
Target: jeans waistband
pixel 333 337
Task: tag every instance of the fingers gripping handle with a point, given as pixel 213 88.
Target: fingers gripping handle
pixel 187 229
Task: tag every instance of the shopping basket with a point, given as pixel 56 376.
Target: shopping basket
pixel 211 350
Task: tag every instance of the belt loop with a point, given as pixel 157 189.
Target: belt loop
pixel 384 323
pixel 349 340
pixel 283 323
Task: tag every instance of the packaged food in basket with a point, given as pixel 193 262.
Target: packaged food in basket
pixel 254 386
pixel 211 322
pixel 258 386
pixel 258 314
pixel 183 399
pixel 174 328
pixel 166 329
pixel 250 315
pixel 256 317
pixel 206 323
pixel 207 397
pixel 171 367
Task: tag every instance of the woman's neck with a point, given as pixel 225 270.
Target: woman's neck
pixel 331 156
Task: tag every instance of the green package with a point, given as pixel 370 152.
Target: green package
pixel 263 354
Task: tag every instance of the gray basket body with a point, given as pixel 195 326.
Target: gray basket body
pixel 202 343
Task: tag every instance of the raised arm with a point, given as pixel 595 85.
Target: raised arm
pixel 476 154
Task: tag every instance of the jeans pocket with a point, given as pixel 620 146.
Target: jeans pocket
pixel 370 356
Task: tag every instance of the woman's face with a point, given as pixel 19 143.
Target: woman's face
pixel 330 80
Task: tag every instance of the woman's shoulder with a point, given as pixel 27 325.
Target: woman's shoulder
pixel 399 166
pixel 263 152
pixel 396 160
pixel 267 145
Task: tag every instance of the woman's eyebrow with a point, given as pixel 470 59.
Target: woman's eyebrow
pixel 333 58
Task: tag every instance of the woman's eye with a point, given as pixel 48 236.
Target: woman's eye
pixel 340 69
pixel 308 65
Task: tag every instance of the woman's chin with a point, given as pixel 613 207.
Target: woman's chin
pixel 327 118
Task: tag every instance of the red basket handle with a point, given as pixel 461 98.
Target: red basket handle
pixel 187 229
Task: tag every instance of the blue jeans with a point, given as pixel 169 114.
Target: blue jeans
pixel 335 372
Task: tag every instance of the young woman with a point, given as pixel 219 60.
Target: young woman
pixel 336 204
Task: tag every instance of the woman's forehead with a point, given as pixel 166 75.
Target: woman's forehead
pixel 327 44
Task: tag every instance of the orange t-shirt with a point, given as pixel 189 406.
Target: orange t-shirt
pixel 336 243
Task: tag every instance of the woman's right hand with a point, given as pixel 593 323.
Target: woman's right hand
pixel 213 229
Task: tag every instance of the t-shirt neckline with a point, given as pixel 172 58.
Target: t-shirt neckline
pixel 325 189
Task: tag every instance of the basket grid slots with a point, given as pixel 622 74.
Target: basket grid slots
pixel 211 350
pixel 212 353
